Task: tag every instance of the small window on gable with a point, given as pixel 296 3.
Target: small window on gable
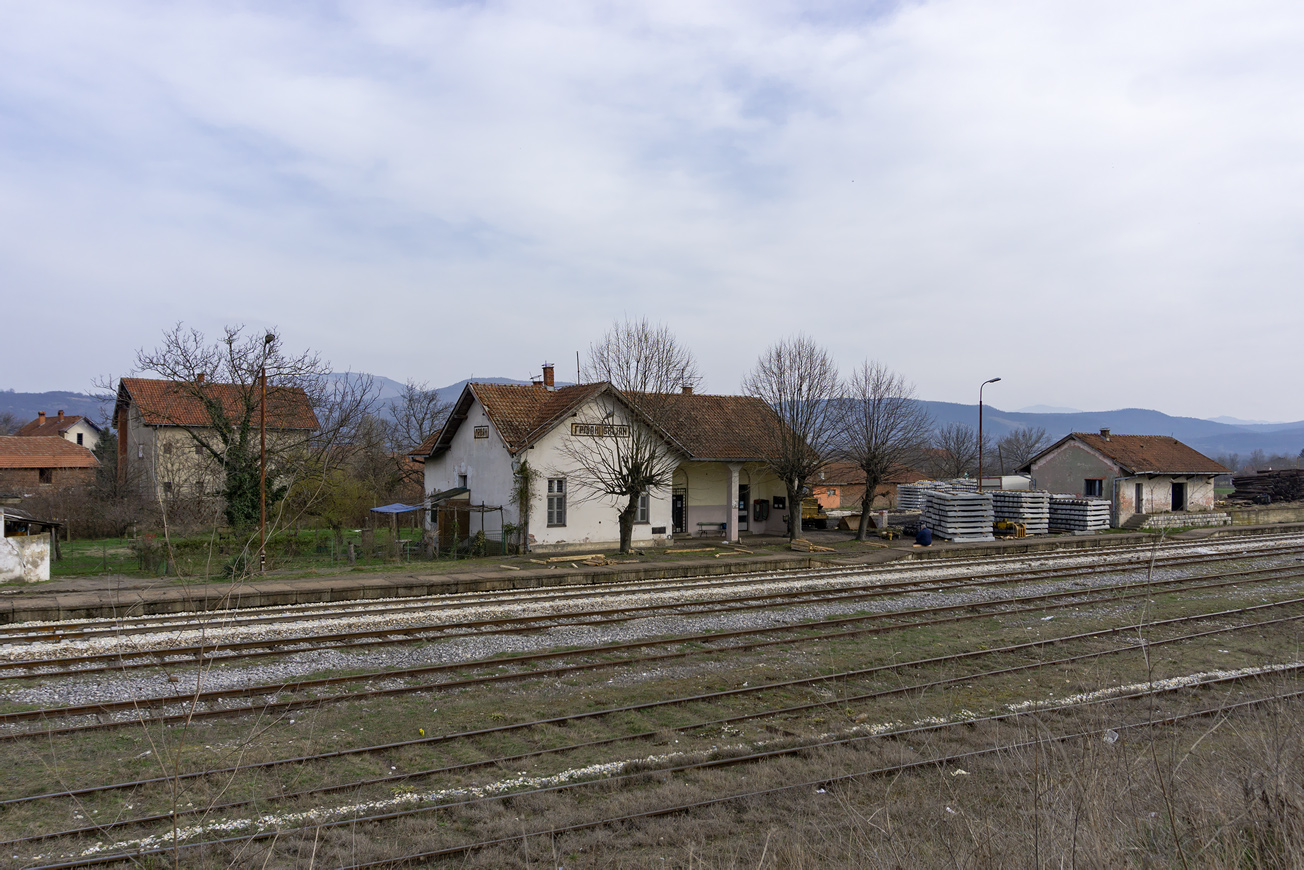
pixel 1093 487
pixel 167 447
pixel 79 439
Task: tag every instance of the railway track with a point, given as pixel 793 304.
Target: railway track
pixel 788 634
pixel 206 653
pixel 70 631
pixel 769 713
pixel 617 734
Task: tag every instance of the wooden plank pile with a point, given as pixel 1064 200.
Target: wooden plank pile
pixel 1072 514
pixel 1030 508
pixel 802 545
pixel 959 516
pixel 1268 486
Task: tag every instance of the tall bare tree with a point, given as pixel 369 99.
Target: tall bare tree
pixel 9 423
pixel 955 451
pixel 799 380
pixel 415 414
pixel 1020 445
pixel 626 457
pixel 880 428
pixel 229 431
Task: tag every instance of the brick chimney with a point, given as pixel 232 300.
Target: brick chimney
pixel 40 418
pixel 61 415
pixel 688 391
pixel 199 378
pixel 548 383
pixel 1104 432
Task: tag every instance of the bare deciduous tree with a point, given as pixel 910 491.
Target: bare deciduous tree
pixel 799 380
pixel 627 456
pixel 229 432
pixel 1018 446
pixel 9 423
pixel 415 414
pixel 880 428
pixel 955 451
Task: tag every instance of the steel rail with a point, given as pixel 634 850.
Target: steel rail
pixel 233 619
pixel 113 858
pixel 103 827
pixel 975 610
pixel 207 653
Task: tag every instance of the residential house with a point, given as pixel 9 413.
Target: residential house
pixel 74 428
pixel 1139 474
pixel 159 422
pixel 841 485
pixel 720 484
pixel 43 463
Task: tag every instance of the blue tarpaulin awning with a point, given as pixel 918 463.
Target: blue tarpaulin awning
pixel 396 508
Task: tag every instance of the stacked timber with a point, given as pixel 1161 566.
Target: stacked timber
pixel 959 516
pixel 1072 514
pixel 1268 486
pixel 1029 507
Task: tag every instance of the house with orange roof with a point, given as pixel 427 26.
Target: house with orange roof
pixel 720 485
pixel 165 429
pixel 42 463
pixel 73 427
pixel 1140 475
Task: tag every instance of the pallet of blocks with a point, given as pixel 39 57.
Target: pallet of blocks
pixel 1031 508
pixel 1072 514
pixel 959 516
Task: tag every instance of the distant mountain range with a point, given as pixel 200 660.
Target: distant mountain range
pixel 1223 435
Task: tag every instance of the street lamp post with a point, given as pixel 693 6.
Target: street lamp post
pixel 980 430
pixel 262 458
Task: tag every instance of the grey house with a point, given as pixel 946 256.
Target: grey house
pixel 1138 474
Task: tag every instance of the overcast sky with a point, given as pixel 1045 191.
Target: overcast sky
pixel 1099 202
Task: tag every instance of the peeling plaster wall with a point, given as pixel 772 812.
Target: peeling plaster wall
pixel 25 558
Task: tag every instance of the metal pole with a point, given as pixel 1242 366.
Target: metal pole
pixel 262 472
pixel 980 430
pixel 262 460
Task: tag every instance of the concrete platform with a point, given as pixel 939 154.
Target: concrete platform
pixel 117 596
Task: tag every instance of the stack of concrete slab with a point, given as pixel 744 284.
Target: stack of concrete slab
pixel 910 496
pixel 1074 514
pixel 1030 507
pixel 963 484
pixel 959 516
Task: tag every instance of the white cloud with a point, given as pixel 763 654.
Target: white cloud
pixel 1081 198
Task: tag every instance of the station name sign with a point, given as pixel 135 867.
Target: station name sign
pixel 600 430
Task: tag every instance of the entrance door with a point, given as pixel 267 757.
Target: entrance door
pixel 744 499
pixel 679 523
pixel 1179 496
pixel 1140 506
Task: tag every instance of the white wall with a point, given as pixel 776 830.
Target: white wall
pixel 25 558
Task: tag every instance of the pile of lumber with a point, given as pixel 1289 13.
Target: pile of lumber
pixel 1266 487
pixel 802 545
pixel 1072 514
pixel 959 516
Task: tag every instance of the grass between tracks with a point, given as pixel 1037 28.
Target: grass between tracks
pixel 1211 793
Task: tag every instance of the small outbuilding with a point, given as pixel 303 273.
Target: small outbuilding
pixel 1140 475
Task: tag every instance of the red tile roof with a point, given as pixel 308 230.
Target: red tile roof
pixel 1151 454
pixel 730 428
pixel 44 451
pixel 173 403
pixel 55 426
pixel 850 474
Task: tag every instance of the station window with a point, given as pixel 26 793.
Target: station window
pixel 556 501
pixel 1093 487
pixel 642 515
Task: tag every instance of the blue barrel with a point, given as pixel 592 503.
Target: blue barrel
pixel 924 538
